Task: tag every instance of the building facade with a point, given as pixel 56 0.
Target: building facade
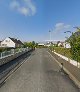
pixel 11 42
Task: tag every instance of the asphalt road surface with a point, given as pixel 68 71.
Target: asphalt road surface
pixel 39 73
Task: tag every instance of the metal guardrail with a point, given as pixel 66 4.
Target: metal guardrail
pixel 12 52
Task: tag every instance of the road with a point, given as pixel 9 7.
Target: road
pixel 39 73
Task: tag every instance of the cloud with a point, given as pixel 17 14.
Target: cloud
pixel 25 7
pixel 62 27
pixel 24 11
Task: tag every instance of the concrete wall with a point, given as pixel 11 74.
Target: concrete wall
pixel 9 58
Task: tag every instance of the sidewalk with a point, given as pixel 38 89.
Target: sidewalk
pixel 73 70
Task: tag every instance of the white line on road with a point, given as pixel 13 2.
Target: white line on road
pixel 54 59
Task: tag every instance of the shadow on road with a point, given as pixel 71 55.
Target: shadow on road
pixel 6 68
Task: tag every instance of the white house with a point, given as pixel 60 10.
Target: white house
pixel 11 42
pixel 59 43
pixel 41 44
pixel 66 45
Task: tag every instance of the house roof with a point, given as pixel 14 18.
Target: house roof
pixel 16 41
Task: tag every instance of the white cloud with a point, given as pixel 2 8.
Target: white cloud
pixel 24 11
pixel 62 27
pixel 25 7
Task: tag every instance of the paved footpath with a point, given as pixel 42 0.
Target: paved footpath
pixel 39 73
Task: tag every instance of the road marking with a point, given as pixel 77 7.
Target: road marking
pixel 77 83
pixel 54 59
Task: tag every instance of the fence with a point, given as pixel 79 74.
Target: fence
pixel 12 52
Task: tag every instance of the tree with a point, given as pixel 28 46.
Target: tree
pixel 33 44
pixel 30 44
pixel 75 46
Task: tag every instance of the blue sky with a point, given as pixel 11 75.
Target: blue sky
pixel 32 19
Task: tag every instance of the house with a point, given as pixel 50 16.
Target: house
pixel 11 42
pixel 66 45
pixel 48 44
pixel 60 44
pixel 41 44
pixel 63 44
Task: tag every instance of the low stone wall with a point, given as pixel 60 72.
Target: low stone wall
pixel 9 58
pixel 69 60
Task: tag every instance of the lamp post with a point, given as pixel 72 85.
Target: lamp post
pixel 65 40
pixel 50 40
pixel 77 28
pixel 50 35
pixel 68 32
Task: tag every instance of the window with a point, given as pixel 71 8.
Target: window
pixel 7 40
pixel 4 44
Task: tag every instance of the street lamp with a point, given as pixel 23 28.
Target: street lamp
pixel 67 37
pixel 50 35
pixel 50 40
pixel 77 28
pixel 67 31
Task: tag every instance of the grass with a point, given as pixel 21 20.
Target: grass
pixel 63 51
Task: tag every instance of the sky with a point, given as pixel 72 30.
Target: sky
pixel 30 20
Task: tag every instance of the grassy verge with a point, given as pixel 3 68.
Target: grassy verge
pixel 62 51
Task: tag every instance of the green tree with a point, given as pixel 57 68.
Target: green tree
pixel 75 46
pixel 30 44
